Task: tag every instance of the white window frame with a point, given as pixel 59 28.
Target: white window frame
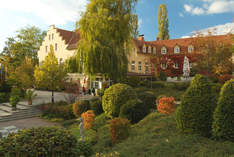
pixel 162 50
pixel 133 68
pixel 190 65
pixel 149 49
pixel 177 50
pixel 146 67
pixel 154 50
pixel 144 49
pixel 190 48
pixel 176 65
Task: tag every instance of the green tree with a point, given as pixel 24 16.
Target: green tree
pixel 50 74
pixel 223 124
pixel 105 42
pixel 163 33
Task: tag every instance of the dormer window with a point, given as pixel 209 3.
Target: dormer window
pixel 149 49
pixel 164 50
pixel 154 50
pixel 177 49
pixel 190 48
pixel 144 49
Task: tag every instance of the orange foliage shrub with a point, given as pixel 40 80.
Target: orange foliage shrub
pixel 88 118
pixel 225 78
pixel 119 128
pixel 166 105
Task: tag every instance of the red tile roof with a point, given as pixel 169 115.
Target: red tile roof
pixel 71 37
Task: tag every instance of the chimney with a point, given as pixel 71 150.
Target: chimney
pixel 52 26
pixel 158 39
pixel 141 37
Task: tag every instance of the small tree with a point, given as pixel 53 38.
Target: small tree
pixel 88 117
pixel 194 114
pixel 163 33
pixel 50 74
pixel 166 105
pixel 223 124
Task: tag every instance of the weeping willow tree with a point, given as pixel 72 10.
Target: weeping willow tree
pixel 106 28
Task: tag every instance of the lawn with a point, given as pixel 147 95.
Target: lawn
pixel 156 135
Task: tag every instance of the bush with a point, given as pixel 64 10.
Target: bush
pixel 16 92
pixel 223 124
pixel 84 149
pixel 80 107
pixel 115 96
pixel 181 85
pixel 4 87
pixel 133 110
pixel 194 114
pixel 39 142
pixel 224 78
pixel 158 84
pixel 4 97
pixel 133 81
pixel 166 105
pixel 88 118
pixel 119 129
pixel 14 100
pixel 162 76
pixel 96 106
pixel 100 121
pixel 100 92
pixel 148 100
pixel 58 110
pixel 216 87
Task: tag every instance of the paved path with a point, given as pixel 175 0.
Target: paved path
pixel 28 123
pixel 42 97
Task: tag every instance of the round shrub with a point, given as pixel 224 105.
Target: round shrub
pixel 115 96
pixel 100 121
pixel 148 99
pixel 133 110
pixel 48 141
pixel 194 114
pixel 80 107
pixel 223 124
pixel 96 106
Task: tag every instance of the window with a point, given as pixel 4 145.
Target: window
pixel 190 65
pixel 149 49
pixel 52 36
pixel 163 66
pixel 56 46
pixel 146 67
pixel 164 50
pixel 49 37
pixel 139 66
pixel 46 49
pixel 176 65
pixel 133 66
pixel 177 49
pixel 190 48
pixel 154 50
pixel 144 49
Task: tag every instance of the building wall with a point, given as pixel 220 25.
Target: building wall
pixel 139 57
pixel 61 52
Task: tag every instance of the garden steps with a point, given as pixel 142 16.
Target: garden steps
pixel 21 114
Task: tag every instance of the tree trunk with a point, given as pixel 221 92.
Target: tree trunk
pixel 52 98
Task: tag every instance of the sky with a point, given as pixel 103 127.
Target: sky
pixel 185 16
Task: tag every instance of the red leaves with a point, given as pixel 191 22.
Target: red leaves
pixel 166 105
pixel 88 119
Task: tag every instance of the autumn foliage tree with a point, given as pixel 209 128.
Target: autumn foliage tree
pixel 166 105
pixel 88 118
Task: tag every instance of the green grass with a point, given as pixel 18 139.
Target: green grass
pixel 156 136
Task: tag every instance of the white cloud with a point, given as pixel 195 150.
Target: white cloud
pixel 211 7
pixel 181 14
pixel 50 11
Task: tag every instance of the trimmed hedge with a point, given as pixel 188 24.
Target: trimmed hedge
pixel 133 110
pixel 148 100
pixel 195 113
pixel 80 107
pixel 46 142
pixel 223 124
pixel 116 96
pixel 96 106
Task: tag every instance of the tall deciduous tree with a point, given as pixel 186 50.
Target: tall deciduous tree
pixel 163 33
pixel 107 28
pixel 50 74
